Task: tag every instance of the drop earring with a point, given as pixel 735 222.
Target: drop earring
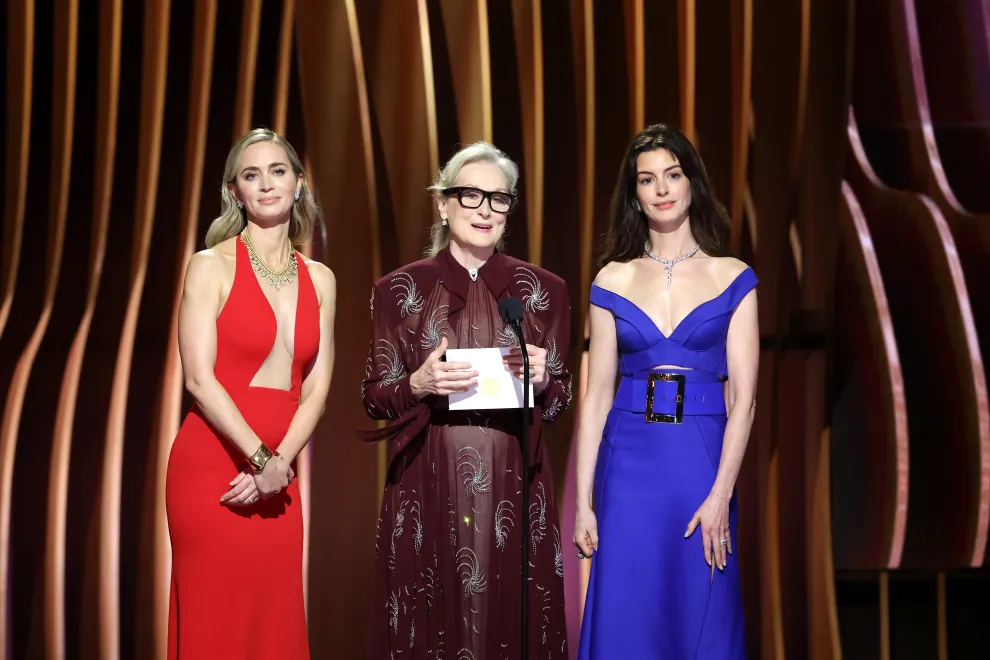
pixel 444 222
pixel 297 195
pixel 240 204
pixel 636 204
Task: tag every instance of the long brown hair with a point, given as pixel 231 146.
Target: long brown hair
pixel 628 230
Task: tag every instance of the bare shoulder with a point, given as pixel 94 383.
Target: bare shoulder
pixel 726 269
pixel 323 278
pixel 206 266
pixel 616 276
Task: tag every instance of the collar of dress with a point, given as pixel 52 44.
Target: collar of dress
pixel 495 273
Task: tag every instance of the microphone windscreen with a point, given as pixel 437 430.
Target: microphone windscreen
pixel 511 310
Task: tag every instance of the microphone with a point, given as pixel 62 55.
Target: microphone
pixel 511 311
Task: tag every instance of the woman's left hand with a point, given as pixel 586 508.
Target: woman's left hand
pixel 538 375
pixel 243 491
pixel 713 517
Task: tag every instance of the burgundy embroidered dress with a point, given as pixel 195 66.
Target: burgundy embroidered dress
pixel 448 559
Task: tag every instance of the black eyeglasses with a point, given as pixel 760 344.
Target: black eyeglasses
pixel 472 198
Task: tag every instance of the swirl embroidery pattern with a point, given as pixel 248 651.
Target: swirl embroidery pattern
pixel 504 520
pixel 472 577
pixel 536 298
pixel 538 516
pixel 472 468
pixel 392 369
pixel 409 299
pixel 507 337
pixel 554 363
pixel 436 328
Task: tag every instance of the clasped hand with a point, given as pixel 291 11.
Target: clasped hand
pixel 248 487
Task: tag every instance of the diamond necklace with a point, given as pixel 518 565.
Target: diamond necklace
pixel 669 263
pixel 277 279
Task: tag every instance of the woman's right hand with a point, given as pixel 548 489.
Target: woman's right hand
pixel 441 378
pixel 276 475
pixel 586 532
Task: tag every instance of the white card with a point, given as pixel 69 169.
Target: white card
pixel 496 388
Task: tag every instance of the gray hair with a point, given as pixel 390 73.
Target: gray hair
pixel 479 152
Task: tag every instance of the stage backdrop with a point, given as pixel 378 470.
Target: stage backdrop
pixel 850 142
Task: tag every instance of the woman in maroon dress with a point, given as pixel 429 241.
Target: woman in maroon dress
pixel 448 554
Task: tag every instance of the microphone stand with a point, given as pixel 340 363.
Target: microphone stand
pixel 524 444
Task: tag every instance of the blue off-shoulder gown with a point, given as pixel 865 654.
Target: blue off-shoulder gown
pixel 651 594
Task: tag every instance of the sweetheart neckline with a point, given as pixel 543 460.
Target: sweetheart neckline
pixel 683 320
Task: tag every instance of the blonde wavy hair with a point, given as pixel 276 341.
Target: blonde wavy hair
pixel 479 152
pixel 232 220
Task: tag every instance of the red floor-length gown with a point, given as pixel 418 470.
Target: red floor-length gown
pixel 237 589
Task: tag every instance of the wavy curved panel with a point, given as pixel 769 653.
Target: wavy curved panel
pixel 269 55
pixel 687 50
pixel 662 56
pixel 247 66
pixel 339 146
pixel 283 70
pixel 449 134
pixel 714 78
pixel 152 122
pixel 23 490
pixel 508 126
pixel 741 27
pixel 143 464
pixel 779 72
pixel 613 99
pixel 934 336
pixel 153 399
pixel 869 423
pixel 817 209
pixel 635 40
pixel 98 53
pixel 403 123
pixel 953 37
pixel 582 40
pixel 20 72
pixel 823 639
pixel 527 24
pixel 900 142
pixel 84 516
pixel 466 34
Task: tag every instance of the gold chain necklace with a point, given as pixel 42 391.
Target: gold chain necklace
pixel 277 279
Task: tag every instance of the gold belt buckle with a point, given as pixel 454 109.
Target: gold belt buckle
pixel 678 415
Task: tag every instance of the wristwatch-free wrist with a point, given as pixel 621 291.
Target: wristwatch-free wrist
pixel 258 459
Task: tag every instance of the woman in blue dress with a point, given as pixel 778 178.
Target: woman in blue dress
pixel 675 316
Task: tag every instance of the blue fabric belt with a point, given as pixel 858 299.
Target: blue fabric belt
pixel 702 394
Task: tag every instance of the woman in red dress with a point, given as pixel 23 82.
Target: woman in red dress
pixel 256 341
pixel 448 556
